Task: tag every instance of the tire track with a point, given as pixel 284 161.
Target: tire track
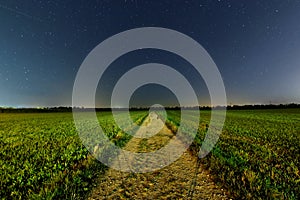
pixel 171 182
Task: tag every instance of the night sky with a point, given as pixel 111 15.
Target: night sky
pixel 255 44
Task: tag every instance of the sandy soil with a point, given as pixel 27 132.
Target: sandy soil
pixel 183 179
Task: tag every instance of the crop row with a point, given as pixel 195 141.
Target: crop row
pixel 258 153
pixel 43 157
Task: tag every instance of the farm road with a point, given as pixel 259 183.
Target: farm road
pixel 171 182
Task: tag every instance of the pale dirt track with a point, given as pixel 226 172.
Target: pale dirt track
pixel 171 182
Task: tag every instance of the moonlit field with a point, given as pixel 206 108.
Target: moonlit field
pixel 142 99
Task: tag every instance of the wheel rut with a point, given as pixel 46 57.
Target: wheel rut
pixel 171 182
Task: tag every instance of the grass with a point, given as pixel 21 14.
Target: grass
pixel 258 153
pixel 256 157
pixel 42 156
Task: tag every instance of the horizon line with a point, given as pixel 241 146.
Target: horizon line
pixel 145 107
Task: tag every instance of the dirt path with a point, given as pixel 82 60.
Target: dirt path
pixel 171 182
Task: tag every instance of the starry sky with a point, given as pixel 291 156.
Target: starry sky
pixel 255 44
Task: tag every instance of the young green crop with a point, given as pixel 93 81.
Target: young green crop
pixel 258 153
pixel 43 157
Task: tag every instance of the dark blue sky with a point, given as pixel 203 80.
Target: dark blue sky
pixel 255 44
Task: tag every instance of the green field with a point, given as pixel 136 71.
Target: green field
pixel 257 155
pixel 43 157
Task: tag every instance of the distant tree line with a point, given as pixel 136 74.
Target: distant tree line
pixel 267 106
pixel 35 110
pixel 70 109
